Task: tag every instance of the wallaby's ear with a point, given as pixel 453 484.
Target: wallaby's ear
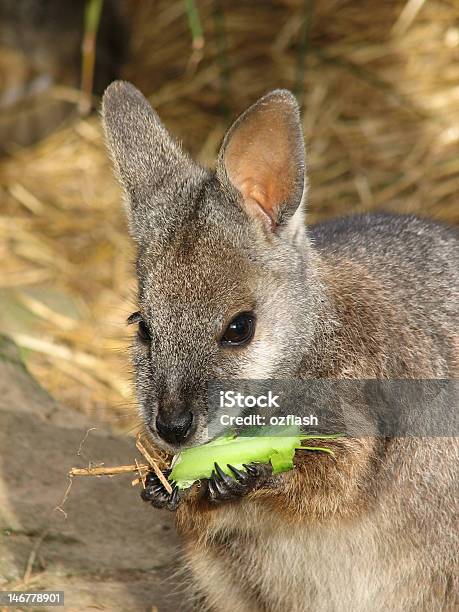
pixel 151 166
pixel 262 156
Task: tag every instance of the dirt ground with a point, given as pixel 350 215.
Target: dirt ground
pixel 105 548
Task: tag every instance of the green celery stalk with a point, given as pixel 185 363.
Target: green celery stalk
pixel 197 462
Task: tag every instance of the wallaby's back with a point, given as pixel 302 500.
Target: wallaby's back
pixel 409 267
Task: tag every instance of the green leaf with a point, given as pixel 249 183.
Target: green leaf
pixel 267 444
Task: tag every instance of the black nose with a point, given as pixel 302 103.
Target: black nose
pixel 174 428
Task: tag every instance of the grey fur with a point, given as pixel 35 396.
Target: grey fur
pixel 374 296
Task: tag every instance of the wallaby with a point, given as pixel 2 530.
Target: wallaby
pixel 233 284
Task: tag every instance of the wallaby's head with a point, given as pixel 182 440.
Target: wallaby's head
pixel 223 259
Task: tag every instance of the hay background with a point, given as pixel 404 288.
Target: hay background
pixel 380 90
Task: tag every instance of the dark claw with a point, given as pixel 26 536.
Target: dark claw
pixel 252 470
pixel 156 494
pixel 241 476
pixel 217 484
pixel 151 478
pixel 175 496
pixel 218 491
pixel 221 487
pixel 149 493
pixel 213 495
pixel 226 479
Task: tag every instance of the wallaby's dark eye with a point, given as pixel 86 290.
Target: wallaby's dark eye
pixel 142 333
pixel 240 330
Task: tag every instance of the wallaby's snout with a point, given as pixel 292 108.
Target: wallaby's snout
pixel 174 424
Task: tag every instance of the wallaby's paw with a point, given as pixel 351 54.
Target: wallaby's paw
pixel 221 487
pixel 156 494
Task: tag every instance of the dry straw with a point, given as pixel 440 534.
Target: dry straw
pixel 156 461
pixel 379 83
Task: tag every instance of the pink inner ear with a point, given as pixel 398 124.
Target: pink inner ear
pixel 258 203
pixel 261 159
